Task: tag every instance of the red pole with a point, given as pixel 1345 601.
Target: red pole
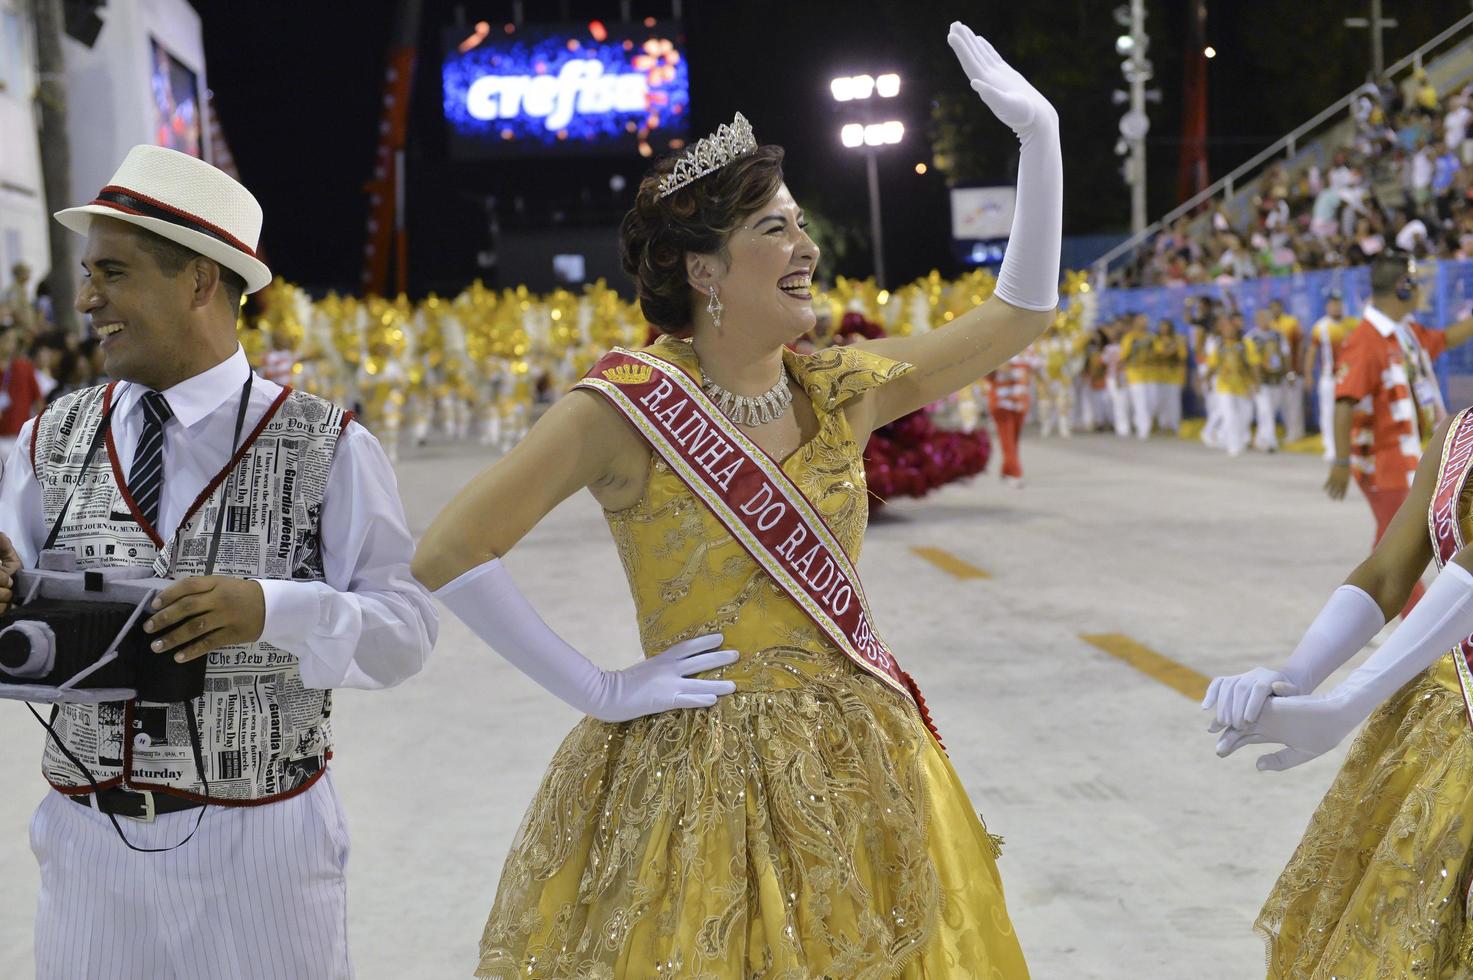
pixel 1192 173
pixel 387 228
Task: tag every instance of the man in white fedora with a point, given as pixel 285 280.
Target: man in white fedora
pixel 310 590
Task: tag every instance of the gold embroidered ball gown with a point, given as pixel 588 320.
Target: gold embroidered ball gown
pixel 806 827
pixel 1377 887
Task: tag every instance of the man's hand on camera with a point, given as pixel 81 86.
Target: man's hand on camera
pixel 9 566
pixel 201 614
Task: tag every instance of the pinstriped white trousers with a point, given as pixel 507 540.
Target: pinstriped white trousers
pixel 258 894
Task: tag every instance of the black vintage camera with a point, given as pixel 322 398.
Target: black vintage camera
pixel 77 636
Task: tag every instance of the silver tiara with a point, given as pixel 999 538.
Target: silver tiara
pixel 709 155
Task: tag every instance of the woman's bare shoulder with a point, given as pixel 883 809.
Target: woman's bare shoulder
pixel 599 425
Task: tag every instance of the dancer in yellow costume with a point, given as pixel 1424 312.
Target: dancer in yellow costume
pixel 1169 352
pixel 746 801
pixel 1136 355
pixel 1231 366
pixel 1379 885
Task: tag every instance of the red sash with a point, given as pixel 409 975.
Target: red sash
pixel 755 500
pixel 1447 535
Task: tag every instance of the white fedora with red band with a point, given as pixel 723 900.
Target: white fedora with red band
pixel 186 200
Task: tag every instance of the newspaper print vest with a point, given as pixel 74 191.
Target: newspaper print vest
pixel 264 736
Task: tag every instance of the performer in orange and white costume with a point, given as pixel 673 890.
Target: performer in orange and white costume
pixel 667 838
pixel 1322 357
pixel 1008 398
pixel 1387 401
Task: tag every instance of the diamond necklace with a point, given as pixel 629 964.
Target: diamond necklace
pixel 752 409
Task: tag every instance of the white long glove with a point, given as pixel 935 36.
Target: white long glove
pixel 487 600
pixel 1350 620
pixel 1312 725
pixel 1029 277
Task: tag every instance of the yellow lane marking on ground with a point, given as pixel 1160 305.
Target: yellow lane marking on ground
pixel 1174 675
pixel 1311 445
pixel 949 563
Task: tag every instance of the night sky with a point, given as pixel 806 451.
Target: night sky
pixel 298 86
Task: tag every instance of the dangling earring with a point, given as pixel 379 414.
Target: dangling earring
pixel 714 307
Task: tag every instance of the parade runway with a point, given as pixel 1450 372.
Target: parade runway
pixel 1056 631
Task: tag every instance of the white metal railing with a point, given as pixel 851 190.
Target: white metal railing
pixel 1288 145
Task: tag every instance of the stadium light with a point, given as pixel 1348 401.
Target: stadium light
pixel 869 136
pixel 884 134
pixel 847 88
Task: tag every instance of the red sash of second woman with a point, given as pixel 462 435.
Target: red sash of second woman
pixel 757 502
pixel 1447 534
pixel 1447 540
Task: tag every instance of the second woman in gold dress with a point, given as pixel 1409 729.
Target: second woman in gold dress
pixel 1379 887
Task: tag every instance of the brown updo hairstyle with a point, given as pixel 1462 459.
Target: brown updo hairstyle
pixel 657 233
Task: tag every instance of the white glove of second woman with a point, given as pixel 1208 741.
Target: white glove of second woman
pixel 1310 726
pixel 1350 620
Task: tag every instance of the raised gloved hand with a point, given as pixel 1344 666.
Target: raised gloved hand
pixel 487 600
pixel 1349 620
pixel 1029 277
pixel 1008 94
pixel 1310 726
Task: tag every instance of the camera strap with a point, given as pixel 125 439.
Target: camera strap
pixel 97 439
pixel 240 415
pixel 100 436
pixel 194 745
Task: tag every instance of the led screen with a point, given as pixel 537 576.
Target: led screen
pixel 538 90
pixel 176 111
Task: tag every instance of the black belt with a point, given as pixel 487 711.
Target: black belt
pixel 142 805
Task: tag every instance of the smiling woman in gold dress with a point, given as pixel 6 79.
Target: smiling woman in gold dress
pixel 762 796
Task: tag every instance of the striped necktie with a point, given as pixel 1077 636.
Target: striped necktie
pixel 146 481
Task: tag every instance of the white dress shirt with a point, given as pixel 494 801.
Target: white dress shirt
pixel 370 624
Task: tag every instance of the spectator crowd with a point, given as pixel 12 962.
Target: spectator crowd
pixel 38 361
pixel 1404 181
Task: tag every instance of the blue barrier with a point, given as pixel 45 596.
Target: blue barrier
pixel 1449 293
